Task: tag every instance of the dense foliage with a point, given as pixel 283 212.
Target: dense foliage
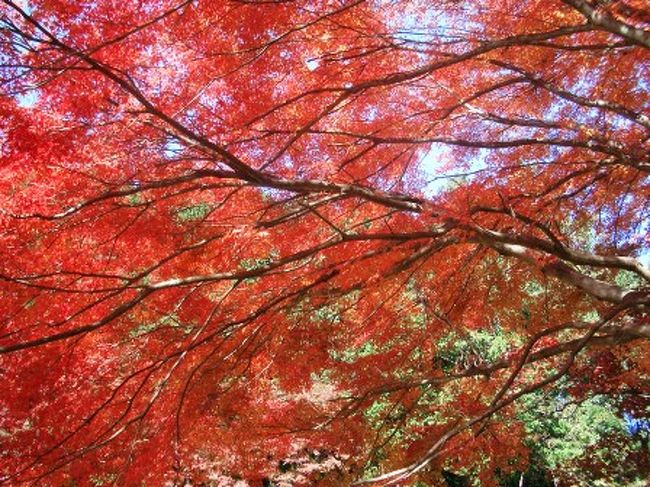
pixel 286 242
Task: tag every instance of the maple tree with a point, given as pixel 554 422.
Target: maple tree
pixel 291 241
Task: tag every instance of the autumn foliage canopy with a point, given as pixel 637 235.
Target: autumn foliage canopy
pixel 281 242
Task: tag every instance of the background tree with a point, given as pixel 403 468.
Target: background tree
pixel 339 241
